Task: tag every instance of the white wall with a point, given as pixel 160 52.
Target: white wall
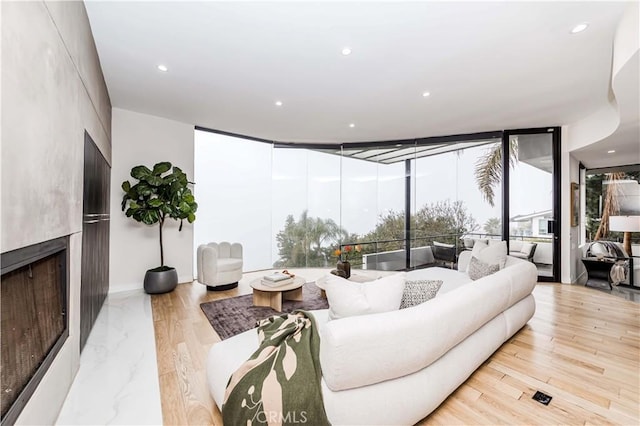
pixel 145 139
pixel 569 236
pixel 52 90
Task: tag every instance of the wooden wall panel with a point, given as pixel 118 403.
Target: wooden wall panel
pixel 95 238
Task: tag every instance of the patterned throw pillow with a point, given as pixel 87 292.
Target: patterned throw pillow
pixel 479 269
pixel 492 253
pixel 419 291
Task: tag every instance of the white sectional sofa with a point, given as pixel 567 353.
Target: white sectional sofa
pixel 397 367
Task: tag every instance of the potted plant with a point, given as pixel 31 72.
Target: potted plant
pixel 159 194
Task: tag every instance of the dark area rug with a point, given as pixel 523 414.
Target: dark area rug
pixel 229 317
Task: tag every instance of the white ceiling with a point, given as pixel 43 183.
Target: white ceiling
pixel 488 65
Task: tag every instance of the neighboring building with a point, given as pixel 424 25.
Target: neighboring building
pixel 531 225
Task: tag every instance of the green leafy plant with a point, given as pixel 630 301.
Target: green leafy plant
pixel 160 194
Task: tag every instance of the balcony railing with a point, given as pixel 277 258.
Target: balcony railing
pixel 392 254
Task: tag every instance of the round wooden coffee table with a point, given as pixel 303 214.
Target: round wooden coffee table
pixel 264 295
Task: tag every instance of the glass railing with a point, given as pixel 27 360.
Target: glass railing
pixel 391 254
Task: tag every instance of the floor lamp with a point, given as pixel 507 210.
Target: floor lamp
pixel 626 224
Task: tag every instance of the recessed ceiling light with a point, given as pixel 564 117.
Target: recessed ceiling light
pixel 352 125
pixel 163 68
pixel 278 103
pixel 611 151
pixel 579 28
pixel 346 51
pixel 426 94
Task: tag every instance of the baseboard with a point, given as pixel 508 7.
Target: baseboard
pixel 185 279
pixel 138 285
pixel 125 287
pixel 577 280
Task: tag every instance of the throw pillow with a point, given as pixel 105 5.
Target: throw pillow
pixel 495 253
pixel 445 245
pixel 479 269
pixel 468 243
pixel 348 298
pixel 419 291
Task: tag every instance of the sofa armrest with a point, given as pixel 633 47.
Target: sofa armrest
pixel 463 260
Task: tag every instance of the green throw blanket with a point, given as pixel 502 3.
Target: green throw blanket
pixel 280 383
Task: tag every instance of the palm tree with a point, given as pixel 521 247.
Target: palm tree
pixel 488 169
pixel 307 242
pixel 319 234
pixel 493 226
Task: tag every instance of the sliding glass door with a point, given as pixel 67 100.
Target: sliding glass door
pixel 532 188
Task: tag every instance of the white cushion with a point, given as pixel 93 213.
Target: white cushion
pixel 495 253
pixel 229 264
pixel 526 248
pixel 451 278
pixel 515 245
pixel 347 298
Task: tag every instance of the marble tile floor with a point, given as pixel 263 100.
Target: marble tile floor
pixel 117 382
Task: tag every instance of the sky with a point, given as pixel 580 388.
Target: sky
pixel 246 189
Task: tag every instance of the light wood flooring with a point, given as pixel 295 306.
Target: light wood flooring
pixel 582 347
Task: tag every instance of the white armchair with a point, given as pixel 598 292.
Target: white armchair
pixel 219 265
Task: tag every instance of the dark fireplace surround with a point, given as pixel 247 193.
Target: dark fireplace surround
pixel 35 324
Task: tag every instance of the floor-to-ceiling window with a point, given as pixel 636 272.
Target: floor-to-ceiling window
pixel 233 181
pixel 305 203
pixel 457 193
pixel 293 205
pixel 373 206
pixel 612 214
pixel 611 192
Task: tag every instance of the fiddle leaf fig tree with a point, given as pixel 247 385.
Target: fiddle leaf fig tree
pixel 159 194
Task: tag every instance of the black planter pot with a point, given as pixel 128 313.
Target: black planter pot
pixel 160 280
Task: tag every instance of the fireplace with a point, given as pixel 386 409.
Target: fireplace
pixel 35 294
